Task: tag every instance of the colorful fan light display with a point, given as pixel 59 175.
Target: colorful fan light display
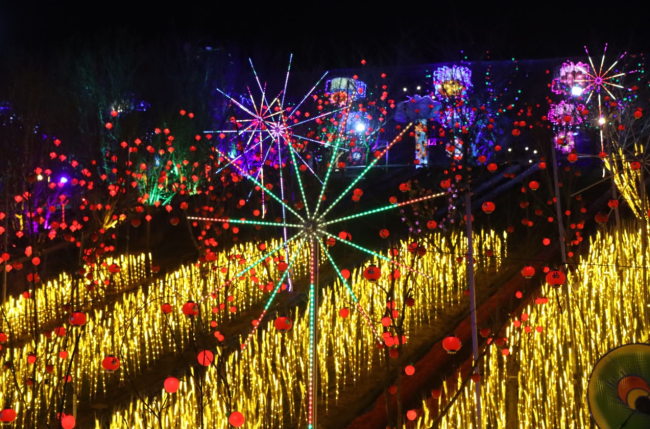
pixel 309 225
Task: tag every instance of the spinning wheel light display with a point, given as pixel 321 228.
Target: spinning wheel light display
pixel 310 224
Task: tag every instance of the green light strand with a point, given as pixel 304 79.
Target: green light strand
pixel 327 176
pixel 354 297
pixel 363 173
pixel 312 333
pixel 302 189
pixel 370 252
pixel 336 268
pixel 334 153
pixel 246 222
pixel 256 263
pixel 284 275
pixel 249 177
pixel 380 209
pixel 272 297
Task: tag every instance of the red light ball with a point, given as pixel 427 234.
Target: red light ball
pixel 451 344
pixel 236 419
pixel 110 363
pixel 205 357
pixel 171 384
pixel 283 324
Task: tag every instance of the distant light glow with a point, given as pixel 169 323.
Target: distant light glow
pixel 576 91
pixel 360 127
pixel 601 120
pixel 39 177
pixel 63 180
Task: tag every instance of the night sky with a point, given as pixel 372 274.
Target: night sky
pixel 336 35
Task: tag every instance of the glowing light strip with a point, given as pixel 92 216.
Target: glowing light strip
pixel 302 188
pixel 235 131
pixel 305 163
pixel 284 213
pixel 319 142
pixel 312 323
pixel 262 90
pixel 241 106
pixel 349 289
pixel 363 173
pixel 239 156
pixel 250 267
pixel 260 185
pixel 382 257
pixel 272 297
pixel 327 176
pixel 286 82
pixel 295 109
pixel 315 117
pixel 381 209
pixel 246 222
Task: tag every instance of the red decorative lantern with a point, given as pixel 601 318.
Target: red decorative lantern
pixel 451 344
pixel 7 415
pixel 409 370
pixel 190 309
pixel 171 385
pixel 166 308
pixel 3 337
pixel 205 357
pixel 345 236
pixel 555 278
pixel 31 358
pixel 344 313
pixel 110 363
pixel 372 273
pixel 384 233
pixel 331 241
pixel 283 324
pixel 528 272
pixel 601 218
pixel 492 167
pixel 533 185
pixel 236 419
pixel 282 266
pixel 612 204
pixel 432 224
pixel 77 318
pixel 488 207
pixel 68 422
pixel 635 165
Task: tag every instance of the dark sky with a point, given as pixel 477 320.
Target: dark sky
pixel 338 34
